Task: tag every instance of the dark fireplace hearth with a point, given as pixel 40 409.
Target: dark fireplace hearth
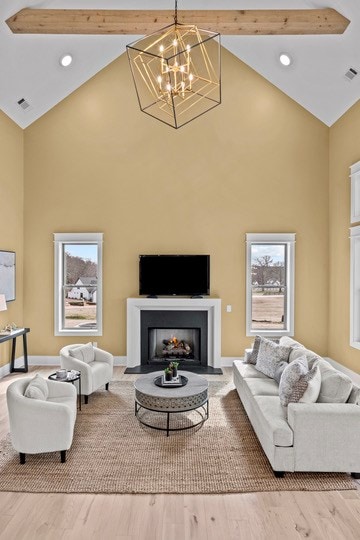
pixel 174 335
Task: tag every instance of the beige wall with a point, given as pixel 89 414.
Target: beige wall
pixel 11 217
pixel 344 151
pixel 257 163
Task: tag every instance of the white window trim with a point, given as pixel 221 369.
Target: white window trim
pixel 355 287
pixel 270 238
pixel 75 238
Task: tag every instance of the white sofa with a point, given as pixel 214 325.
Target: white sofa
pixel 321 437
pixel 94 374
pixel 38 426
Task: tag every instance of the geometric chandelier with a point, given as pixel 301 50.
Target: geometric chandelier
pixel 176 72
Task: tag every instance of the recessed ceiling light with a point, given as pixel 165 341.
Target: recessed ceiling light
pixel 285 59
pixel 66 60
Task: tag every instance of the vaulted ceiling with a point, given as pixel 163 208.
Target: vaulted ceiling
pixel 30 68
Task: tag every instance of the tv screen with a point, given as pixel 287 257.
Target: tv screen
pixel 168 275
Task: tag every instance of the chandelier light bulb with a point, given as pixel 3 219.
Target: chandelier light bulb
pixel 168 87
pixel 191 77
pixel 175 42
pixel 161 48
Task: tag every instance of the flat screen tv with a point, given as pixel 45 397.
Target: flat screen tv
pixel 174 275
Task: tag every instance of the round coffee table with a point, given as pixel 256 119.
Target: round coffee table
pixel 168 400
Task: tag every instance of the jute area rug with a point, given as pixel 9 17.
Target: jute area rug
pixel 113 453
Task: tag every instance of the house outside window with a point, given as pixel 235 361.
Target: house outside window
pixel 270 284
pixel 78 284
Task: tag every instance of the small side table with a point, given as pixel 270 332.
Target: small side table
pixel 12 336
pixel 71 378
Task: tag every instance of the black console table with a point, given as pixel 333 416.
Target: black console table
pixel 13 335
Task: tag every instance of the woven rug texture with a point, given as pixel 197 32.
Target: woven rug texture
pixel 113 453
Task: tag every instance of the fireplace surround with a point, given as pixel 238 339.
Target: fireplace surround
pixel 178 312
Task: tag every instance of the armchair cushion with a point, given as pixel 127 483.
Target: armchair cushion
pixel 37 388
pixel 85 353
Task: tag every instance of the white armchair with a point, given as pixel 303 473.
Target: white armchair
pixel 37 425
pixel 94 373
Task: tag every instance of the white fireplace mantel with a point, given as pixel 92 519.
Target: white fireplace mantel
pixel 136 305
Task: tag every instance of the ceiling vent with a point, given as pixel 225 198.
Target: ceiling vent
pixel 351 74
pixel 25 105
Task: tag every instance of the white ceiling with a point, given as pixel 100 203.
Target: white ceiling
pixel 30 69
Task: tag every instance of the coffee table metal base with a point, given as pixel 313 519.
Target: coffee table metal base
pixel 204 416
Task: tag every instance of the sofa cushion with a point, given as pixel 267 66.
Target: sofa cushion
pixel 287 341
pixel 354 395
pixel 252 357
pixel 270 354
pixel 37 388
pixel 262 387
pixel 335 385
pixel 85 353
pixel 247 370
pixel 273 420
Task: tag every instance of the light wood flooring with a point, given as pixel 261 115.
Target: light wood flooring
pixel 280 515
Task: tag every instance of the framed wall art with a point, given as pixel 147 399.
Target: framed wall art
pixel 7 274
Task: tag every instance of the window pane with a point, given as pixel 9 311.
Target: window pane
pixel 80 285
pixel 268 280
pixel 78 312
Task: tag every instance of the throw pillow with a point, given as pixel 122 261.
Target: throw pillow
pixel 291 386
pixel 279 371
pixel 335 386
pixel 252 357
pixel 270 355
pixel 85 353
pixel 313 379
pixel 311 357
pixel 37 388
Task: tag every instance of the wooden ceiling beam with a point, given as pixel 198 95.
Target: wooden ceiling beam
pixel 227 22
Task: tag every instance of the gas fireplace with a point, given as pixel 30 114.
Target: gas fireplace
pixel 174 335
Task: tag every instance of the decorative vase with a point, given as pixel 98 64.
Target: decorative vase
pixel 168 376
pixel 174 372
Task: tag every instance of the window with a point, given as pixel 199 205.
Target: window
pixel 355 287
pixel 355 192
pixel 78 284
pixel 270 284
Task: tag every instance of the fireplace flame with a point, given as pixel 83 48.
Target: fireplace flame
pixel 174 345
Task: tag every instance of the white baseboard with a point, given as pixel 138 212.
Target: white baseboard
pixel 55 360
pixel 226 361
pixel 119 360
pixel 43 360
pixel 4 370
